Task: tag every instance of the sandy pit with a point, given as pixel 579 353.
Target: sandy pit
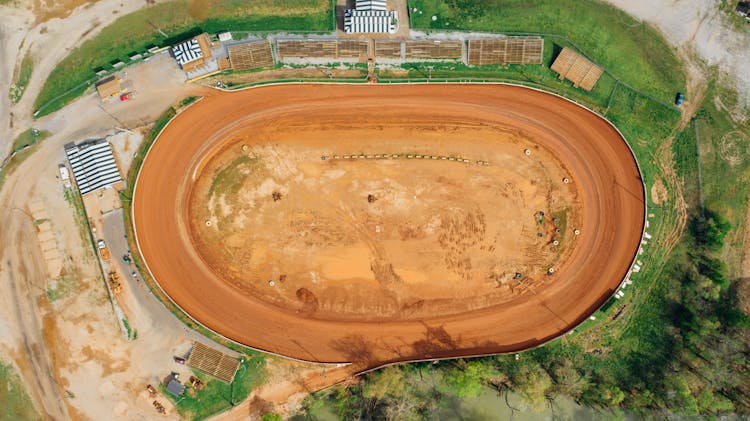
pixel 254 216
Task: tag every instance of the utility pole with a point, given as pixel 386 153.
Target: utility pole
pixel 157 28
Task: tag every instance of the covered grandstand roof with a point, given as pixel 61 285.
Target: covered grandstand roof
pixel 187 51
pixel 93 165
pixel 369 21
pixel 371 5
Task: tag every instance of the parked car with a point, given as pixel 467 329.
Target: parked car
pixel 679 98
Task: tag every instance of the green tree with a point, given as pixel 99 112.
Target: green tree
pixel 568 380
pixel 272 417
pixel 532 383
pixel 466 379
pixel 682 396
pixel 709 229
pixel 382 383
pixel 708 401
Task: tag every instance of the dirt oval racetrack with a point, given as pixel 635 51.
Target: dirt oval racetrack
pixel 601 164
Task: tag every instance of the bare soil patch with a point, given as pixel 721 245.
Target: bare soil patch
pixel 659 193
pixel 286 73
pixel 284 213
pixel 45 10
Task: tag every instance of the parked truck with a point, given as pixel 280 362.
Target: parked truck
pixel 103 250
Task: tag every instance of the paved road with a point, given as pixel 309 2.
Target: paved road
pixel 150 309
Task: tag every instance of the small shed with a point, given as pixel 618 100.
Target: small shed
pixel 175 387
pixel 225 36
pixel 108 87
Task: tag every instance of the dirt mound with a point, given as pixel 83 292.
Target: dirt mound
pixel 308 299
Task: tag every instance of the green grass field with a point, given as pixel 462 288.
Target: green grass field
pixel 632 51
pixel 15 403
pixel 218 396
pixel 178 19
pixel 725 167
pixel 668 312
pixel 21 79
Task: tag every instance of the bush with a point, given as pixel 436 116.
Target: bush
pixel 709 229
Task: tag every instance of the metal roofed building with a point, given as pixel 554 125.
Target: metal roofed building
pixel 108 88
pixel 195 56
pixel 371 5
pixel 93 164
pixel 175 388
pixel 187 51
pixel 370 21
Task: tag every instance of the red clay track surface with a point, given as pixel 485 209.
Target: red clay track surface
pixel 602 167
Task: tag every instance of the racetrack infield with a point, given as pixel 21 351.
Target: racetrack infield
pixel 605 201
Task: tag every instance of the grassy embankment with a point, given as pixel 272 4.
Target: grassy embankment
pixel 23 147
pixel 631 50
pixel 165 24
pixel 679 342
pixel 28 138
pixel 15 403
pixel 21 78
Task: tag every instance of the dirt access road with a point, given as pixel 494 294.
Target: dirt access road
pixel 74 344
pixel 599 160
